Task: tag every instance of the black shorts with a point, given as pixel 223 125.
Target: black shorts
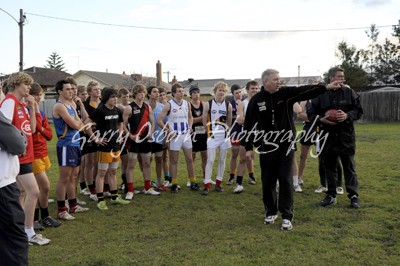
pixel 199 144
pixel 13 240
pixel 89 147
pixel 156 147
pixel 310 137
pixel 25 168
pixel 142 147
pixel 124 150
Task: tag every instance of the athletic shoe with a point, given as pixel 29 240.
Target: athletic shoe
pixel 119 201
pixel 102 206
pixel 270 219
pixel 37 226
pixel 301 181
pixel 85 192
pixel 80 202
pixel 65 216
pixel 122 187
pixel 174 188
pixel 188 183
pixel 167 183
pixel 78 208
pixel 151 192
pixel 194 187
pixel 238 189
pixel 50 200
pixel 93 197
pixel 219 189
pixel 339 191
pixel 212 182
pixel 354 202
pixel 107 194
pixel 162 188
pixel 297 188
pixel 39 240
pixel 252 181
pixel 50 222
pixel 230 181
pixel 286 225
pixel 205 191
pixel 327 201
pixel 321 189
pixel 129 196
pixel 137 191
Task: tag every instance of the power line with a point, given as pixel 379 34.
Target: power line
pixel 201 30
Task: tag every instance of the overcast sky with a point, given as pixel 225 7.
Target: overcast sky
pixel 191 54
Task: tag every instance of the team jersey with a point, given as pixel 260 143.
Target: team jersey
pixel 90 106
pixel 42 134
pixel 178 117
pixel 158 135
pixel 217 115
pixel 67 136
pixel 107 126
pixel 198 128
pixel 236 128
pixel 139 120
pixel 17 112
pixel 245 104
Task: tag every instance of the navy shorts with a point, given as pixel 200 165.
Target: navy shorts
pixel 69 155
pixel 25 168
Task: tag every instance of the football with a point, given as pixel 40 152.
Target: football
pixel 331 115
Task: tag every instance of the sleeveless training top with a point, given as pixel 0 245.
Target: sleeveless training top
pixel 178 117
pixel 67 136
pixel 138 122
pixel 217 116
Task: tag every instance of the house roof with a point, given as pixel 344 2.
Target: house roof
pixel 46 76
pixel 298 81
pixel 206 85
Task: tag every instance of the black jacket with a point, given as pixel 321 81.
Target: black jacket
pixel 268 123
pixel 341 138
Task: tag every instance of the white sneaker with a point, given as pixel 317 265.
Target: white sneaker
pixel 129 196
pixel 298 189
pixel 80 202
pixel 39 240
pixel 85 192
pixel 167 183
pixel 321 189
pixel 152 192
pixel 137 192
pixel 107 194
pixel 93 197
pixel 301 181
pixel 270 219
pixel 286 225
pixel 230 182
pixel 50 200
pixel 212 182
pixel 339 190
pixel 78 208
pixel 188 183
pixel 252 181
pixel 238 189
pixel 65 216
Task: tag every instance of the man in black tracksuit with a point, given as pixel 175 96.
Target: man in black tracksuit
pixel 340 141
pixel 269 128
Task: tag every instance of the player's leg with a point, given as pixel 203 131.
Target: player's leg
pixel 304 149
pixel 132 158
pixel 233 164
pixel 90 161
pixel 240 170
pixel 296 185
pixel 250 168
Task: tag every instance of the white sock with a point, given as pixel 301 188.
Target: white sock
pixel 30 232
pixel 295 180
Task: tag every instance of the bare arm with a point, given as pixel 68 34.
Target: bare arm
pixel 190 117
pixel 240 113
pixel 125 116
pixel 152 125
pixel 33 108
pixel 205 114
pixel 229 116
pixel 163 114
pixel 60 111
pixel 84 114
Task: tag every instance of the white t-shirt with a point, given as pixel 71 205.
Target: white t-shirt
pixel 9 168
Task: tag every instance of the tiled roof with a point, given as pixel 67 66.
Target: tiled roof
pixel 46 76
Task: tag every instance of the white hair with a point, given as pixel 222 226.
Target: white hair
pixel 267 73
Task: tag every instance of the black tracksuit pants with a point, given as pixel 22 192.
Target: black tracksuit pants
pixel 277 165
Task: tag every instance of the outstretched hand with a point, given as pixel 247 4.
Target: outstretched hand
pixel 334 85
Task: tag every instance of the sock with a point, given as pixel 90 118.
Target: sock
pixel 83 185
pixel 251 174
pixel 92 188
pixel 218 183
pixel 123 177
pixel 36 215
pixel 100 196
pixel 239 180
pixel 192 180
pixel 174 180
pixel 66 196
pixel 130 187
pixel 147 185
pixel 114 194
pixel 158 181
pixel 208 185
pixel 232 174
pixel 61 206
pixel 44 212
pixel 166 176
pixel 295 180
pixel 72 204
pixel 29 232
pixel 106 187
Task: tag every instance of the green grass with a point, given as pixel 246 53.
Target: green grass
pixel 227 229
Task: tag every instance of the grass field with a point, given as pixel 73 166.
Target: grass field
pixel 227 229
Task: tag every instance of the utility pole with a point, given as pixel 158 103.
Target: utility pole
pixel 168 73
pixel 21 39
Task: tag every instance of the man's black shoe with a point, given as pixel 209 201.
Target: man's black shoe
pixel 328 200
pixel 205 192
pixel 354 202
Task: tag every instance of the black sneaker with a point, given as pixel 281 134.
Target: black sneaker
pixel 194 186
pixel 219 189
pixel 50 222
pixel 37 226
pixel 205 191
pixel 354 202
pixel 174 188
pixel 328 200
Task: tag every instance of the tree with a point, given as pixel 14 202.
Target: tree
pixel 55 62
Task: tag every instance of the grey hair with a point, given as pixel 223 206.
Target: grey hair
pixel 267 73
pixel 332 71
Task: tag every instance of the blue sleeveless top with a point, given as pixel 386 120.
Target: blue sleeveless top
pixel 67 136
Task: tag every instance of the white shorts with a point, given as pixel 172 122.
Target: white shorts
pixel 183 141
pixel 219 142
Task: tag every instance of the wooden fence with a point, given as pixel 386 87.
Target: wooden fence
pixel 380 106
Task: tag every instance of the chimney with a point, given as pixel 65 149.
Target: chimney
pixel 190 80
pixel 174 80
pixel 123 73
pixel 34 69
pixel 158 73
